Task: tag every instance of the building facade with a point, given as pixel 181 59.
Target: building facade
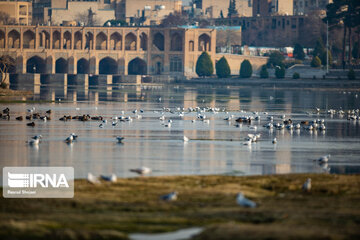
pixel 106 51
pixel 302 7
pixel 263 8
pixel 214 8
pixel 20 12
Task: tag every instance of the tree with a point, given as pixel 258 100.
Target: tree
pixel 204 65
pixel 319 48
pixel 275 59
pixel 299 52
pixel 280 71
pixel 316 62
pixel 263 72
pixel 323 58
pixel 88 18
pixel 175 19
pixel 223 68
pixel 5 19
pixel 232 12
pixel 7 65
pixel 296 75
pixel 115 23
pixel 355 51
pixel 221 14
pixel 246 69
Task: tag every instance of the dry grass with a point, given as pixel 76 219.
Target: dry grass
pixel 110 211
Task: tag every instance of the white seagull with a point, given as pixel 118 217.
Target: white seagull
pixel 186 139
pixel 244 202
pixel 324 159
pixel 92 179
pixel 141 170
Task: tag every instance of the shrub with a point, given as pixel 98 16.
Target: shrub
pixel 316 62
pixel 245 69
pixel 223 68
pixel 204 65
pixel 351 74
pixel 323 58
pixel 296 75
pixel 3 85
pixel 299 52
pixel 263 72
pixel 280 71
pixel 275 59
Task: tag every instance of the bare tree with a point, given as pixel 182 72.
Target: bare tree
pixel 7 64
pixel 5 19
pixel 227 38
pixel 88 18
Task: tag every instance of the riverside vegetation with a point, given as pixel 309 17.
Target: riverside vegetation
pixel 111 211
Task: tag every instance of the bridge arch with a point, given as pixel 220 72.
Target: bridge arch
pixel 101 41
pixel 204 43
pixel 56 40
pixel 130 42
pixel 89 41
pixel 83 66
pixel 61 66
pixel 115 41
pixel 14 39
pixel 137 66
pixel 176 42
pixel 78 40
pixel 35 65
pixel 108 66
pixel 29 39
pixel 158 41
pixel 67 40
pixel 2 39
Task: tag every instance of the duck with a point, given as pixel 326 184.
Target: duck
pixel 324 159
pixel 69 139
pixel 32 124
pixel 274 141
pixel 119 139
pixel 20 118
pixel 34 141
pixel 6 110
pixel 48 111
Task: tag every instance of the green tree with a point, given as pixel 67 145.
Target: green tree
pixel 319 48
pixel 316 62
pixel 221 14
pixel 280 71
pixel 355 51
pixel 246 69
pixel 223 68
pixel 351 74
pixel 299 52
pixel 204 65
pixel 323 58
pixel 264 72
pixel 232 9
pixel 275 59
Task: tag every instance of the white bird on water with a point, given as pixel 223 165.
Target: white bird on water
pixel 186 139
pixel 34 141
pixel 169 197
pixel 141 170
pixel 111 178
pixel 69 139
pixel 307 185
pixel 92 179
pixel 244 202
pixel 274 141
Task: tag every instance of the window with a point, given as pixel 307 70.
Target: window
pixel 175 64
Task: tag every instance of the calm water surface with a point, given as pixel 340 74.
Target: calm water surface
pixel 214 148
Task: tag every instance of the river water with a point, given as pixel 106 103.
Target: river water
pixel 215 147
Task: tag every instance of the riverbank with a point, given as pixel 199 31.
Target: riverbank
pixel 112 211
pixel 6 92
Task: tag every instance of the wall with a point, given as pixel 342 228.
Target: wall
pixel 19 12
pixel 213 8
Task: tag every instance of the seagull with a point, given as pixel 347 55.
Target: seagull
pixel 274 141
pixel 162 118
pixel 244 202
pixel 307 185
pixel 169 197
pixel 141 170
pixel 119 139
pixel 248 142
pixel 324 159
pixel 111 178
pixel 92 179
pixel 74 136
pixel 101 125
pixel 186 139
pixel 114 123
pixel 37 137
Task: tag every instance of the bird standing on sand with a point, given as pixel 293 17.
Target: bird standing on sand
pixel 307 185
pixel 244 202
pixel 169 197
pixel 141 171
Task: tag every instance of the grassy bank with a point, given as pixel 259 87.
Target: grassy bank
pixel 111 211
pixel 5 92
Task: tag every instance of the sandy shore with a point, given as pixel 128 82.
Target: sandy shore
pixel 112 211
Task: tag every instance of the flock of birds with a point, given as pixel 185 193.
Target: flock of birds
pixel 201 115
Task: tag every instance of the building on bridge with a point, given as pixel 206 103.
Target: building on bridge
pixel 117 51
